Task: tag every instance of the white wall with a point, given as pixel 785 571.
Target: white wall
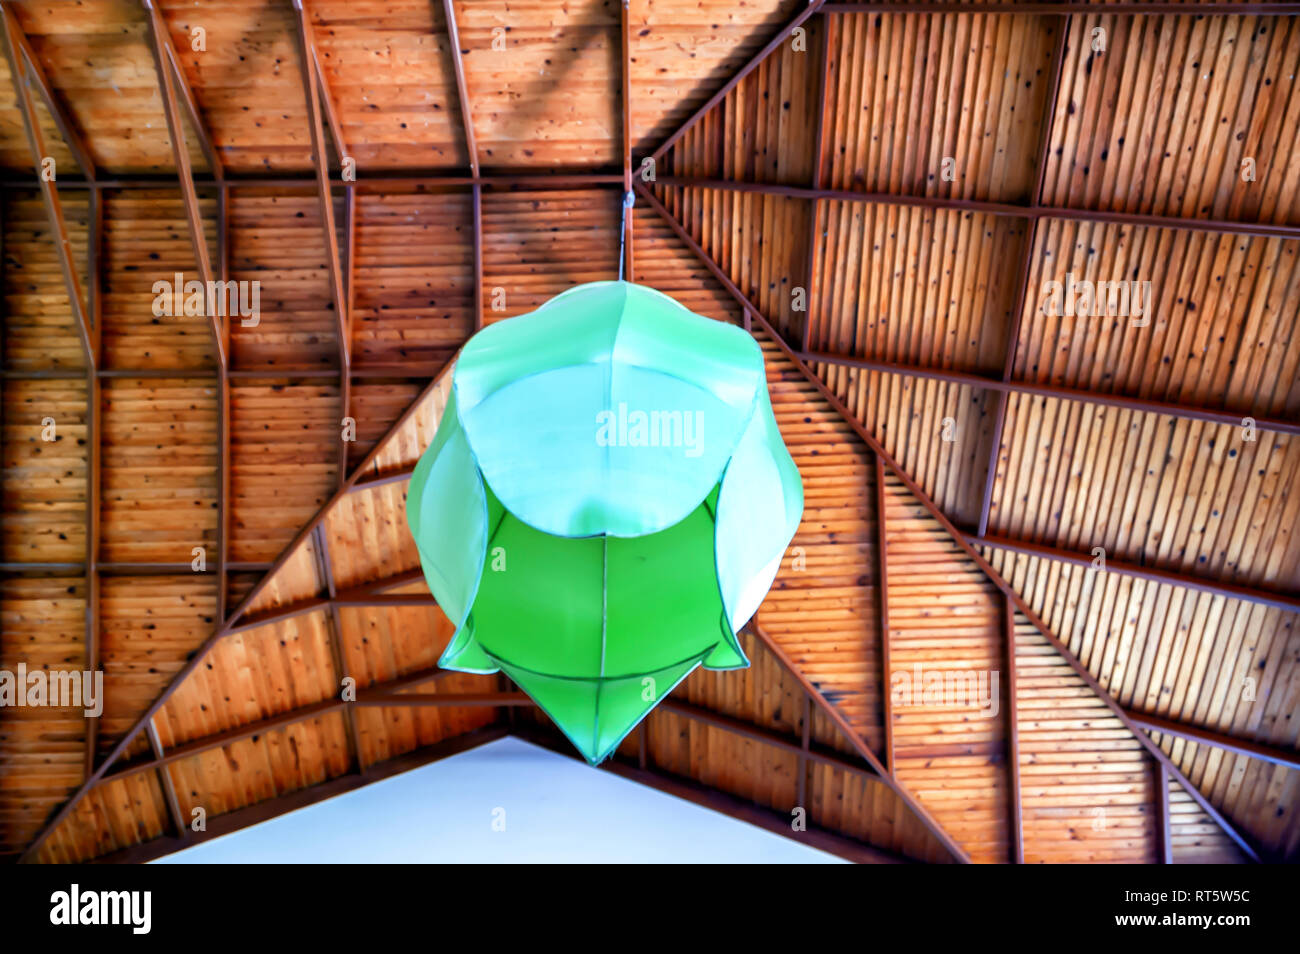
pixel 554 809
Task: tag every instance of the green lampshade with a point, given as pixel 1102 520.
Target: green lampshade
pixel 605 504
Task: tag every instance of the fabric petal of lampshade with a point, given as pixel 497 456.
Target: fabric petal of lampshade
pixel 604 505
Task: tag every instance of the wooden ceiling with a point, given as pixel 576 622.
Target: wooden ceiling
pixel 915 176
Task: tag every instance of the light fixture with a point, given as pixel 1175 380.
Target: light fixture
pixel 605 503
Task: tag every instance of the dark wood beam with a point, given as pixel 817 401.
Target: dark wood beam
pixel 1164 823
pixel 882 612
pixel 478 259
pixel 625 42
pixel 933 509
pixel 986 382
pixel 94 469
pixel 1200 8
pixel 1260 229
pixel 368 594
pixel 163 65
pixel 1015 808
pixel 462 88
pixel 215 166
pixel 62 121
pixel 1283 601
pixel 781 36
pixel 327 106
pixel 805 750
pixel 311 92
pixel 314 710
pixel 818 159
pixel 801 747
pixel 1275 754
pixel 94 408
pixel 168 787
pixel 21 71
pixel 1046 119
pixel 850 735
pixel 338 652
pixel 422 700
pixel 376 181
pixel 224 469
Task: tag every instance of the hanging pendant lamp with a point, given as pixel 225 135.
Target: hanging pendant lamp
pixel 605 504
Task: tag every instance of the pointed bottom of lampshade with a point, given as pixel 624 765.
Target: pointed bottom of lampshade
pixel 597 714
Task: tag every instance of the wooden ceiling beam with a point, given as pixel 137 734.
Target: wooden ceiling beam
pixel 1011 209
pixel 163 38
pixel 1046 120
pixel 1164 824
pixel 1015 808
pixel 781 36
pixel 1200 8
pixel 882 609
pixel 327 106
pixel 471 148
pixel 62 121
pixel 21 70
pixel 933 509
pixel 1274 754
pixel 224 470
pixel 311 93
pixel 313 710
pixel 94 466
pixel 375 181
pixel 163 65
pixel 168 787
pixel 462 88
pixel 1290 602
pixel 338 652
pixel 316 94
pixel 478 259
pixel 818 159
pixel 174 88
pixel 625 60
pixel 845 728
pixel 990 383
